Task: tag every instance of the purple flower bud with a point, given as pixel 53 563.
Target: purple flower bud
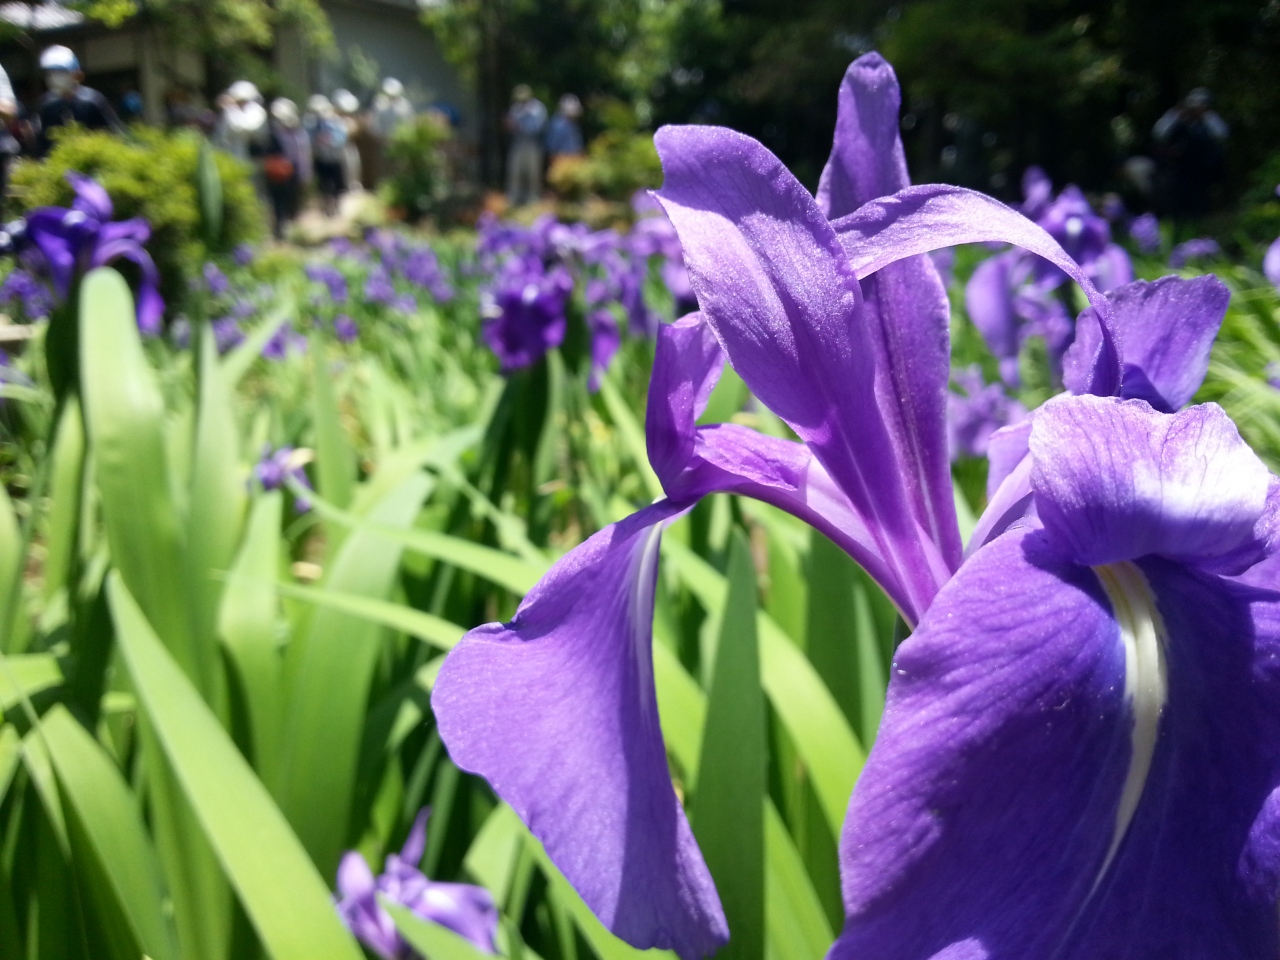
pixel 274 468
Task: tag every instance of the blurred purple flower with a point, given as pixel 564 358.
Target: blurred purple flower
pixel 331 277
pixel 525 316
pixel 1145 232
pixel 284 341
pixel 344 328
pixel 422 269
pixel 1271 263
pixel 467 910
pixel 73 241
pixel 378 287
pixel 32 296
pixel 227 334
pixel 605 340
pixel 976 411
pixel 242 255
pixel 215 281
pixel 1201 248
pixel 275 468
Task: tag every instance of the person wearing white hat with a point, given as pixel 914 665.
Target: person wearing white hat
pixel 391 110
pixel 68 100
pixel 347 104
pixel 242 127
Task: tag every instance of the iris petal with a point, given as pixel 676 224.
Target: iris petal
pixel 1115 480
pixel 1166 330
pixel 557 710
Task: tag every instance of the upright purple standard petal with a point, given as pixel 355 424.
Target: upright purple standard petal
pixel 867 160
pixel 989 300
pixel 775 287
pixel 906 306
pixel 1166 329
pixel 557 711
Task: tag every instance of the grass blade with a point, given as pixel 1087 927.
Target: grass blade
pixel 284 896
pixel 728 811
pixel 430 629
pixel 328 671
pixel 108 833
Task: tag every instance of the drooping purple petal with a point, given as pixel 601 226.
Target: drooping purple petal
pixel 773 283
pixel 557 711
pixel 1166 331
pixel 686 366
pixel 992 819
pixel 924 218
pixel 905 304
pixel 1114 480
pixel 867 159
pixel 360 911
pixel 123 241
pixel 46 228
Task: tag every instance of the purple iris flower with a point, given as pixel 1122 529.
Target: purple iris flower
pixel 1271 263
pixel 975 411
pixel 837 321
pixel 242 255
pixel 525 315
pixel 73 241
pixel 1145 232
pixel 467 910
pixel 20 287
pixel 215 281
pixel 1191 251
pixel 331 277
pixel 344 328
pixel 275 467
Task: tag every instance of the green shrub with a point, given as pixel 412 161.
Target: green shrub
pixel 617 164
pixel 150 174
pixel 418 176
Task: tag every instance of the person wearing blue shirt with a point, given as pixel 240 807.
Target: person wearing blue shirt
pixel 68 100
pixel 564 136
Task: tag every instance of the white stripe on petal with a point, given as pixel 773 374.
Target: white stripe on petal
pixel 1146 685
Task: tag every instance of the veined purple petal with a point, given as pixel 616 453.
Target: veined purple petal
pixel 905 305
pixel 867 160
pixel 772 282
pixel 92 198
pixel 1166 332
pixel 557 711
pixel 994 817
pixel 924 218
pixel 686 367
pixel 1114 480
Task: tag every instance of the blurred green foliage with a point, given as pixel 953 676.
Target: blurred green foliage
pixel 418 175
